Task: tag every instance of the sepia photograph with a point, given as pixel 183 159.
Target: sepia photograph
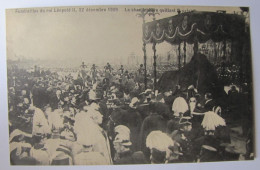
pixel 123 85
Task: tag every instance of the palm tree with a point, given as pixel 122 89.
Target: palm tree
pixel 153 13
pixel 142 14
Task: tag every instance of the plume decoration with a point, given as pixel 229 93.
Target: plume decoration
pixel 159 141
pixel 212 120
pixel 179 106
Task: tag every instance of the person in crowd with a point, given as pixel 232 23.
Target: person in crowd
pixel 20 146
pixel 108 68
pixel 182 136
pixel 191 92
pixel 159 145
pixel 55 99
pixel 168 97
pixel 132 119
pixel 89 131
pixel 93 73
pixel 209 102
pixel 141 69
pixel 179 106
pixel 68 119
pixel 155 121
pixel 38 151
pixel 121 70
pixel 177 92
pixel 122 145
pixel 207 147
pixel 86 156
pixel 39 122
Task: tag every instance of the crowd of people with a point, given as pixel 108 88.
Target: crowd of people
pixel 106 116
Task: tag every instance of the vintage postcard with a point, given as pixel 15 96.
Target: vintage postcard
pixel 109 85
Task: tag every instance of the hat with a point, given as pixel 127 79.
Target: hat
pixel 148 91
pixel 210 148
pixel 121 129
pixel 133 103
pixel 185 120
pixel 191 87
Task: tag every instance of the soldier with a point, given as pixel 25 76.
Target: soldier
pixel 155 121
pixel 141 69
pixel 182 136
pixel 83 66
pixel 159 144
pixel 93 73
pixel 108 68
pixel 121 70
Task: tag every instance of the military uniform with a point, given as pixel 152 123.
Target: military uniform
pixel 185 145
pixel 130 158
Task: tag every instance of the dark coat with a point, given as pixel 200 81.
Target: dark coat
pixel 144 110
pixel 131 158
pixel 151 123
pixel 209 105
pixel 204 154
pixel 54 102
pixel 132 119
pixel 173 125
pixel 186 147
pixel 169 101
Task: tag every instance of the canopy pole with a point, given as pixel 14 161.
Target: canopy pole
pixel 223 64
pixel 215 52
pixel 184 49
pixel 145 69
pixel 224 49
pixel 231 51
pixel 179 56
pixel 142 15
pixel 196 45
pixel 154 64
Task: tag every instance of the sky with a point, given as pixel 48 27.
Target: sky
pixel 68 38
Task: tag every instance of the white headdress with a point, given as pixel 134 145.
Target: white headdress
pixel 159 141
pixel 212 120
pixel 179 106
pixel 121 129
